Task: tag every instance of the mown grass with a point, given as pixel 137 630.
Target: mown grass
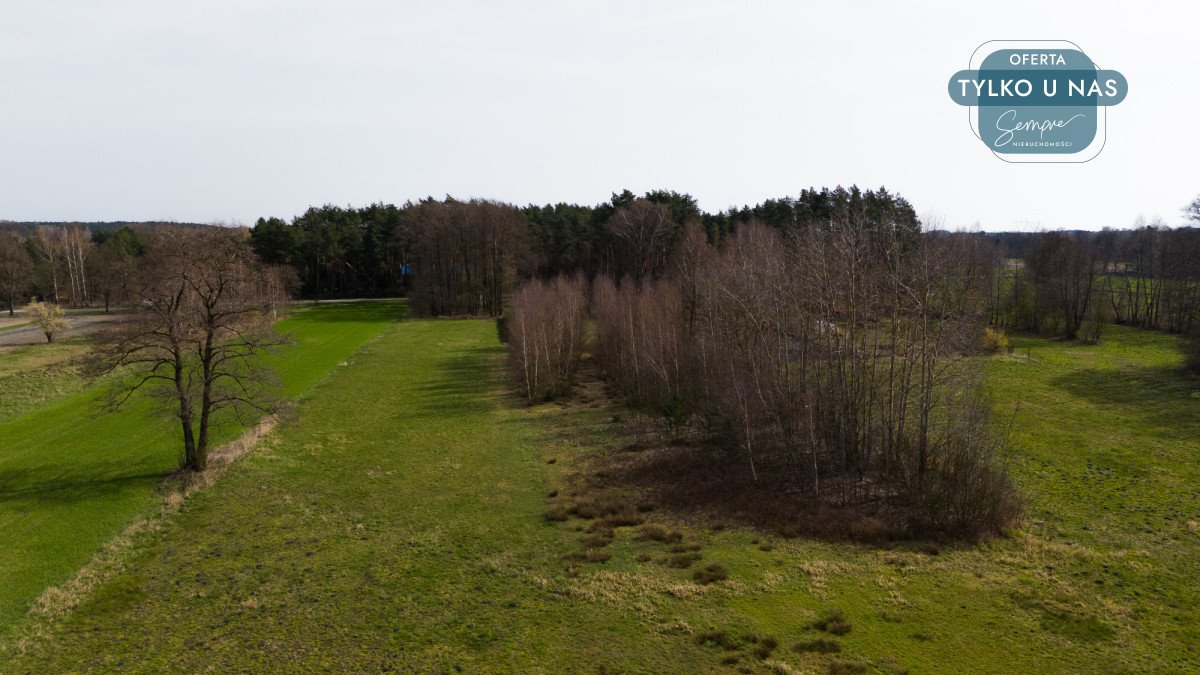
pixel 30 376
pixel 72 477
pixel 401 524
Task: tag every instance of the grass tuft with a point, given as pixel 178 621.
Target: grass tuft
pixel 682 560
pixel 718 638
pixel 818 646
pixel 711 573
pixel 833 621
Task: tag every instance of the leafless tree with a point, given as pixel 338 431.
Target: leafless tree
pixel 204 312
pixel 466 256
pixel 545 333
pixel 641 233
pixel 48 249
pixel 16 268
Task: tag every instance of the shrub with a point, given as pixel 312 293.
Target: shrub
pixel 832 621
pixel 717 638
pixel 711 573
pixel 556 514
pixel 964 492
pixel 682 560
pixel 598 539
pixel 597 506
pixel 763 644
pixel 819 646
pixel 995 341
pixel 657 533
pixel 847 668
pixel 595 555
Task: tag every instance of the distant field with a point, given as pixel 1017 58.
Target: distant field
pixel 399 524
pixel 71 478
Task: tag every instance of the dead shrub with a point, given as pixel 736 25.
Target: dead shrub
pixel 658 533
pixel 598 539
pixel 847 668
pixel 595 555
pixel 592 506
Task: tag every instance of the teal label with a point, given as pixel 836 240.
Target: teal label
pixel 1032 103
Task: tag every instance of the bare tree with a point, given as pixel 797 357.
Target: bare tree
pixel 545 333
pixel 16 267
pixel 641 234
pixel 48 249
pixel 205 306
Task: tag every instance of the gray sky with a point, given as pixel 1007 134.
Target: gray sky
pixel 204 111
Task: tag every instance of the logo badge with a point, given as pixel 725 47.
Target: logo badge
pixel 1037 100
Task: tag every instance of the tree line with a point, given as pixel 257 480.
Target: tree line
pixel 68 264
pixel 1071 284
pixel 460 257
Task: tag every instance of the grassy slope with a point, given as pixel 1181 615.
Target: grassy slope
pixel 71 478
pixel 398 525
pixel 30 376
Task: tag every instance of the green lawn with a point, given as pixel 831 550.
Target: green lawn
pixel 398 525
pixel 71 478
pixel 31 376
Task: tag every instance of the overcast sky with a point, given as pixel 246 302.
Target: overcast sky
pixel 207 111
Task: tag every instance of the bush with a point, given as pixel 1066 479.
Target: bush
pixel 589 507
pixel 847 668
pixel 657 533
pixel 682 560
pixel 717 638
pixel 598 539
pixel 964 492
pixel 994 341
pixel 833 621
pixel 711 573
pixel 595 555
pixel 819 646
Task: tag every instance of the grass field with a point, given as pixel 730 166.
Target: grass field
pixel 71 477
pixel 398 524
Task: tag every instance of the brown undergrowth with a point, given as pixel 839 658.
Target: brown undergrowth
pixel 647 464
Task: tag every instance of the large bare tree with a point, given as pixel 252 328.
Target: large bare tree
pixel 204 311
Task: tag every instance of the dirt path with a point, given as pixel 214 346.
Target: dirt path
pixel 30 335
